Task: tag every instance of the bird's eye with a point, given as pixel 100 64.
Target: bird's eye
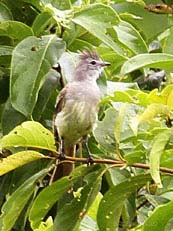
pixel 93 62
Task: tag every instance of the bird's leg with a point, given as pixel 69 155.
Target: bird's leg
pixel 62 151
pixel 89 156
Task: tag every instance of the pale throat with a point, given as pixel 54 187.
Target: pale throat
pixel 92 76
pixel 89 76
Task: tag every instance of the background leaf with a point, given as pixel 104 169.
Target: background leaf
pixel 106 137
pixel 154 110
pixel 29 134
pixel 15 30
pixel 62 5
pixel 29 74
pixel 110 205
pixel 41 22
pixel 48 89
pixel 135 116
pixel 10 118
pixel 157 150
pixel 167 46
pixel 18 159
pixel 70 215
pixel 16 202
pixel 147 25
pixel 95 19
pixel 47 199
pixel 51 194
pixel 130 37
pixel 159 218
pixel 163 61
pixel 5 13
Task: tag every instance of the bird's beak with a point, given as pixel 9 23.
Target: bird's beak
pixel 104 64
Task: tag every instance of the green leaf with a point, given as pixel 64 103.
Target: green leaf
pixel 29 134
pixel 157 150
pixel 51 194
pixel 123 96
pixel 16 202
pixel 47 90
pixel 147 24
pixel 60 4
pixel 59 16
pixel 78 44
pixel 96 18
pixel 142 98
pixel 18 159
pixel 129 212
pixel 41 22
pixel 167 159
pixel 154 110
pixel 168 46
pixel 69 217
pixel 92 212
pixel 29 74
pixel 113 200
pixel 46 199
pixel 159 218
pixel 15 30
pixel 5 50
pixel 67 63
pixel 168 93
pixel 163 97
pixel 88 224
pixel 115 176
pixel 5 13
pixel 108 19
pixel 130 37
pixel 36 4
pixel 5 60
pixel 155 200
pixel 119 122
pixel 123 129
pixel 104 132
pixel 106 53
pixel 120 86
pixel 135 157
pixel 159 60
pixel 10 118
pixel 46 225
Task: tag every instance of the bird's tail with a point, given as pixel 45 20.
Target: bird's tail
pixel 64 168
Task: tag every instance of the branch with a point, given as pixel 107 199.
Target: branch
pixel 118 163
pixel 160 8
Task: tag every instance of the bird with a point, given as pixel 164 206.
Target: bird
pixel 77 107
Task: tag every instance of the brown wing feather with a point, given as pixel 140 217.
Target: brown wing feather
pixel 62 169
pixel 58 107
pixel 60 100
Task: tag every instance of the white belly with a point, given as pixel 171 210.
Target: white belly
pixel 76 120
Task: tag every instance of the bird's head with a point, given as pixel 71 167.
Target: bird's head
pixel 90 65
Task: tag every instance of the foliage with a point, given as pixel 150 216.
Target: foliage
pixel 135 118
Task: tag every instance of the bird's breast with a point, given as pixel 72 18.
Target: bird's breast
pixel 79 113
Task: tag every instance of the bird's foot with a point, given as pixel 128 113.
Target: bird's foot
pixel 62 151
pixel 90 160
pixel 62 156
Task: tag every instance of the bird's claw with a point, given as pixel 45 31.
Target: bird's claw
pixel 90 160
pixel 62 156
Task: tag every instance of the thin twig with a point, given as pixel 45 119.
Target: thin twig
pixel 119 163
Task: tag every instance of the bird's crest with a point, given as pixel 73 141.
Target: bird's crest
pixel 89 54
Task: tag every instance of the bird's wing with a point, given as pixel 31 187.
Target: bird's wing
pixel 58 107
pixel 60 100
pixel 61 169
